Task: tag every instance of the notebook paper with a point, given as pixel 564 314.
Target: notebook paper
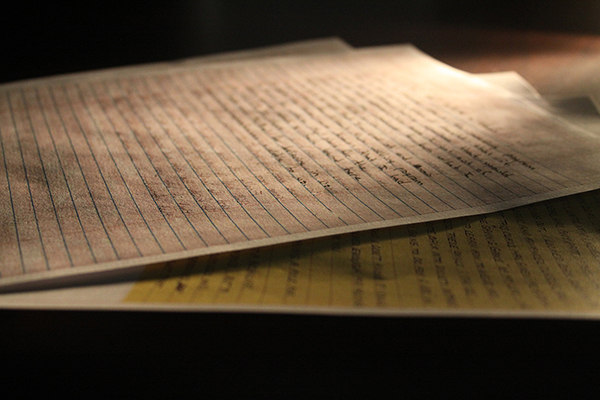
pixel 110 171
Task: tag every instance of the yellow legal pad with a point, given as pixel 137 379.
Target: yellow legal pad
pixel 539 257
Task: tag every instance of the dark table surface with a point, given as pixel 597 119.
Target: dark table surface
pixel 278 355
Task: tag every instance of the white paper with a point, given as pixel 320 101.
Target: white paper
pixel 110 171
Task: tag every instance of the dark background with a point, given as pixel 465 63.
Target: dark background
pixel 270 355
pixel 52 37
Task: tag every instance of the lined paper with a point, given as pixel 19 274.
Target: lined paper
pixel 116 170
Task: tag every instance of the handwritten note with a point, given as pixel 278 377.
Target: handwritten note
pixel 115 170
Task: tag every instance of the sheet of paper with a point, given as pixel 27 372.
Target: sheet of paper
pixel 330 45
pixel 513 82
pixel 308 47
pixel 106 171
pixel 579 110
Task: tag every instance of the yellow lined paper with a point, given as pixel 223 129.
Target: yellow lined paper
pixel 543 257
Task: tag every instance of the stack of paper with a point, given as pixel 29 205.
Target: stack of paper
pixel 315 178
